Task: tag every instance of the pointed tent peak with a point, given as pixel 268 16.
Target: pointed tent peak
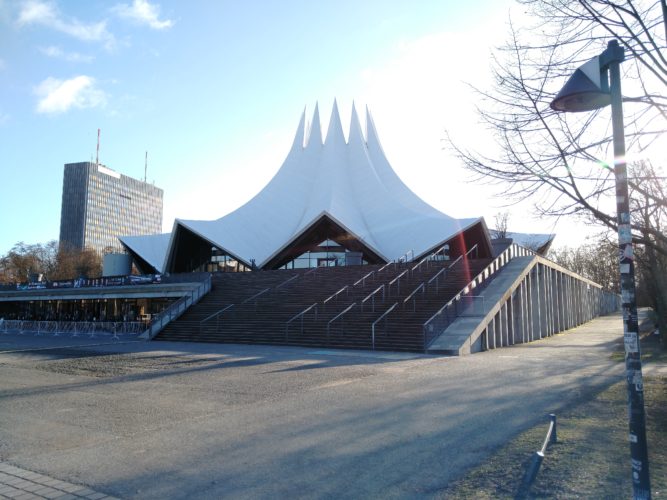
pixel 372 139
pixel 315 133
pixel 371 132
pixel 356 135
pixel 335 133
pixel 299 137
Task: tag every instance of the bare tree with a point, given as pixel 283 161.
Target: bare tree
pixel 595 261
pixel 502 224
pixel 558 160
pixel 50 260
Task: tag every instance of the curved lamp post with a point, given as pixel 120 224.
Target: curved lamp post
pixel 595 85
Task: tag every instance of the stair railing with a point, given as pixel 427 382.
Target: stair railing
pixel 334 297
pixel 371 297
pixel 161 320
pixel 444 272
pixel 436 278
pixel 440 250
pixel 215 315
pixel 338 316
pixel 390 263
pixel 287 281
pixel 475 248
pixel 301 315
pixel 439 322
pixel 397 282
pixel 426 260
pixel 404 257
pixel 363 279
pixel 413 296
pixel 257 296
pixel 381 318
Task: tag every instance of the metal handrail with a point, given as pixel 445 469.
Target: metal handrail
pixel 216 312
pixel 444 270
pixel 311 271
pixel 287 281
pixel 414 268
pixel 404 257
pixel 176 309
pixel 441 249
pixel 335 295
pixel 498 263
pixel 363 280
pixel 256 295
pixel 436 278
pixel 217 318
pixel 372 295
pixel 378 320
pixel 456 261
pixel 475 247
pixel 397 278
pixel 429 257
pixel 390 263
pixel 301 314
pixel 339 315
pixel 412 296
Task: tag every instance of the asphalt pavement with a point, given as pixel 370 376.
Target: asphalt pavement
pixel 182 420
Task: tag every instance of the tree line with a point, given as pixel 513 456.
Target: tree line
pixel 26 262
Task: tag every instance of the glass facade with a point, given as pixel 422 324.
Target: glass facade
pixel 327 254
pixel 220 262
pixel 99 204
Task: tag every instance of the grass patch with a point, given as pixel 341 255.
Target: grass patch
pixel 592 456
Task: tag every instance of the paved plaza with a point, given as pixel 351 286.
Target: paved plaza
pixel 184 420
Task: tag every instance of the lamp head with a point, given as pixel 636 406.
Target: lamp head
pixel 586 90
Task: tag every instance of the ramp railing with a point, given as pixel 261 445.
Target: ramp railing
pixel 437 323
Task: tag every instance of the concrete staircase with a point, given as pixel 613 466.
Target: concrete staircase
pixel 340 304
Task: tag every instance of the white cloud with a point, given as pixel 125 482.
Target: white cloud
pixel 36 12
pixel 58 53
pixel 142 12
pixel 58 96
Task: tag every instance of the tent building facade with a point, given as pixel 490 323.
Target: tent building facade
pixel 333 202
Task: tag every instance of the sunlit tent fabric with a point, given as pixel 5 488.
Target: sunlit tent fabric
pixel 333 189
pixel 149 251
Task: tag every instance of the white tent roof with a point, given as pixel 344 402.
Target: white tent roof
pixel 350 182
pixel 151 248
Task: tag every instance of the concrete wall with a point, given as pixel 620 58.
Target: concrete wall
pixel 542 303
pixel 528 299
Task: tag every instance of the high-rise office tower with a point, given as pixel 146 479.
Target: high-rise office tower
pixel 99 204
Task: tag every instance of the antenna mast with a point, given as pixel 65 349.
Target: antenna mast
pixel 146 166
pixel 97 157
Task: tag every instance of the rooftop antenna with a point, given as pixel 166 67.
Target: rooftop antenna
pixel 97 157
pixel 145 166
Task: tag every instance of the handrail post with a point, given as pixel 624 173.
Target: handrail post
pixel 373 336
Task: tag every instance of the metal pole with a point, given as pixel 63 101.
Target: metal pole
pixel 641 485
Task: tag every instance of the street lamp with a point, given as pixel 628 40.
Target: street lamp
pixel 595 85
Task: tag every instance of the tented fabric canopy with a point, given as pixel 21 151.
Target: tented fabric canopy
pixel 349 183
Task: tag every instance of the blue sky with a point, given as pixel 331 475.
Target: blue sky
pixel 213 90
